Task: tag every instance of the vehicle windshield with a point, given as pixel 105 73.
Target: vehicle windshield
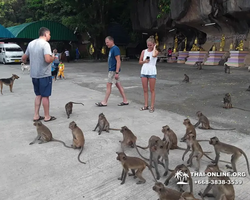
pixel 13 49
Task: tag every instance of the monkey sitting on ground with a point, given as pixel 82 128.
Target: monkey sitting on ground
pixel 103 124
pixel 219 191
pixel 227 68
pixel 186 78
pixel 228 103
pixel 199 64
pixel 129 139
pixel 189 129
pixel 221 147
pixel 44 134
pixel 69 107
pixel 78 139
pixel 133 163
pixel 187 196
pixel 181 168
pixel 203 120
pixel 165 193
pixel 169 135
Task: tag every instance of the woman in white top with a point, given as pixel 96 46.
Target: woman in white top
pixel 148 61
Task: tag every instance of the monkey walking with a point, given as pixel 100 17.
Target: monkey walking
pixel 186 78
pixel 199 64
pixel 227 69
pixel 129 139
pixel 184 169
pixel 203 120
pixel 78 139
pixel 219 191
pixel 44 134
pixel 221 147
pixel 69 107
pixel 103 124
pixel 228 103
pixel 165 193
pixel 132 163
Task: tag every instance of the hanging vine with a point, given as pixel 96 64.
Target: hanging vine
pixel 164 6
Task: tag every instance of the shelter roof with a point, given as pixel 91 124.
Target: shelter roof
pixel 5 33
pixel 29 31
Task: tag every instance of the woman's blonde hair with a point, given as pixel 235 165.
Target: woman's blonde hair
pixel 151 39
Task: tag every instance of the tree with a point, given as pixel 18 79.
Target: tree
pixel 164 6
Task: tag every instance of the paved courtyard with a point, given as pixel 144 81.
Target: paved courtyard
pixel 51 171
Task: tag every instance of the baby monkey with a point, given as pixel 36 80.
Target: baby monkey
pixel 103 124
pixel 69 107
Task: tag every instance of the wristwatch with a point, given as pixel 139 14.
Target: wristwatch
pixel 117 72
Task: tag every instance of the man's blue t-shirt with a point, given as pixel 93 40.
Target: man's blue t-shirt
pixel 114 51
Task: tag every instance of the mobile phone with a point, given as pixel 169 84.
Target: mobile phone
pixel 147 58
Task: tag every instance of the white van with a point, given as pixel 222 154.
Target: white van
pixel 10 53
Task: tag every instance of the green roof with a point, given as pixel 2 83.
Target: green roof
pixel 58 31
pixel 5 33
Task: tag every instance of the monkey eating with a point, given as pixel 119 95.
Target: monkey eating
pixel 181 168
pixel 228 103
pixel 221 147
pixel 203 120
pixel 129 139
pixel 189 129
pixel 132 163
pixel 165 193
pixel 227 69
pixel 78 139
pixel 44 134
pixel 103 124
pixel 186 78
pixel 169 135
pixel 219 191
pixel 69 107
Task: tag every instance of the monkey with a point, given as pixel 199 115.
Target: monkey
pixel 44 134
pixel 186 78
pixel 129 139
pixel 184 169
pixel 170 136
pixel 228 103
pixel 196 151
pixel 133 163
pixel 165 193
pixel 219 191
pixel 103 124
pixel 205 122
pixel 248 89
pixel 153 140
pixel 69 107
pixel 187 196
pixel 189 129
pixel 78 139
pixel 221 147
pixel 227 69
pixel 199 64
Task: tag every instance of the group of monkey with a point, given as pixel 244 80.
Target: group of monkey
pixel 158 154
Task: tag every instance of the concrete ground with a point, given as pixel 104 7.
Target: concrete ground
pixel 51 171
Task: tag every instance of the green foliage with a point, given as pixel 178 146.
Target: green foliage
pixel 164 6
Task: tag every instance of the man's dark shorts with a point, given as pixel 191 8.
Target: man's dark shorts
pixel 42 86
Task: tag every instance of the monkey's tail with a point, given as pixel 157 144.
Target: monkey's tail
pixel 77 103
pixel 140 153
pixel 221 129
pixel 202 140
pixel 55 140
pixel 80 155
pixel 180 148
pixel 150 169
pixel 246 161
pixel 143 147
pixel 114 129
pixel 219 160
pixel 242 109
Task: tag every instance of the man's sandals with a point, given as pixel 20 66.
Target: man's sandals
pixel 151 110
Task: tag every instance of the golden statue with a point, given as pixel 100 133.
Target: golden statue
pixel 231 48
pixel 156 40
pixel 214 48
pixel 185 48
pixel 240 47
pixel 175 44
pixel 103 50
pixel 164 46
pixel 91 49
pixel 196 41
pixel 222 43
pixel 195 47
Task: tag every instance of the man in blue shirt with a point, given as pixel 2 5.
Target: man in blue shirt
pixel 114 63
